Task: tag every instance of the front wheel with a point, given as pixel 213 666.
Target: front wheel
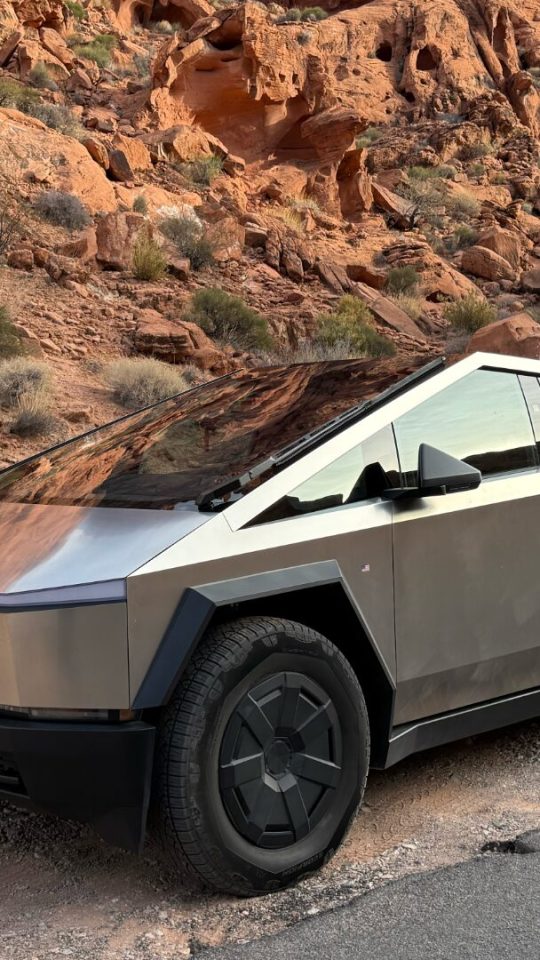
pixel 262 756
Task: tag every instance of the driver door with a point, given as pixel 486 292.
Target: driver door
pixel 467 591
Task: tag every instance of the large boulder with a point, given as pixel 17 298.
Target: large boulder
pixel 503 242
pixel 178 342
pixel 115 237
pixel 517 336
pixel 486 264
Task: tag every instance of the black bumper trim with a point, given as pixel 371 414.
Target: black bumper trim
pixel 98 774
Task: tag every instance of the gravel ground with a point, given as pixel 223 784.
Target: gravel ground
pixel 64 894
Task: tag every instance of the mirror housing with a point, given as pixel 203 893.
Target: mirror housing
pixel 438 474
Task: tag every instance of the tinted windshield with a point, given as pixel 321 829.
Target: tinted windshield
pixel 173 452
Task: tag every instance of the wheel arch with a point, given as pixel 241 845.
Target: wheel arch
pixel 317 598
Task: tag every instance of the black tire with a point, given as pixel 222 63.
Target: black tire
pixel 222 832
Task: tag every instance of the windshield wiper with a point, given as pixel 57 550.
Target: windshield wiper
pixel 217 498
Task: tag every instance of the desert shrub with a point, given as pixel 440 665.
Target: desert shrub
pixel 229 319
pixel 462 204
pixel 295 15
pixel 58 117
pixel 350 328
pixel 305 203
pixel 10 228
pixel 477 170
pixel 33 415
pixel 163 26
pixel 14 94
pixel 290 217
pixel 470 314
pixel 63 209
pixel 313 14
pixel 139 381
pixel 499 177
pixel 149 262
pixel 443 172
pixel 99 49
pixel 189 237
pixel 476 151
pixel 10 341
pixel 22 377
pixel 140 205
pixel 141 62
pixel 76 10
pixel 303 37
pixel 410 304
pixel 527 207
pixel 368 137
pixel 463 236
pixel 202 170
pixel 402 279
pixel 427 200
pixel 39 75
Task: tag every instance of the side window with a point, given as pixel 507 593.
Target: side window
pixel 360 474
pixel 482 419
pixel 531 388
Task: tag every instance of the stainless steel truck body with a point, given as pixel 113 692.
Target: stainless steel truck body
pixel 230 604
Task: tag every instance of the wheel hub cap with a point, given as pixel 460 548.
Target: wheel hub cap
pixel 280 760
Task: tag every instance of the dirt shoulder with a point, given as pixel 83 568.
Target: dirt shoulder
pixel 64 894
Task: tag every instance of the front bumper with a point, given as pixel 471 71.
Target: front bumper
pixel 96 773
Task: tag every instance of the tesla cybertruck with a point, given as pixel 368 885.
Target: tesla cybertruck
pixel 227 606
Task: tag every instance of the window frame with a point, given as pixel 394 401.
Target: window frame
pixel 246 509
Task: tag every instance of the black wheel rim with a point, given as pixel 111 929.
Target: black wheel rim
pixel 280 760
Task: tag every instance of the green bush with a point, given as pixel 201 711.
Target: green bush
pixel 57 117
pixel 14 94
pixel 140 205
pixel 10 341
pixel 500 177
pixel 477 170
pixel 203 170
pixel 463 236
pixel 63 209
pixel 99 49
pixel 229 320
pixel 476 151
pixel 139 381
pixel 470 314
pixel 443 172
pixel 39 75
pixel 350 327
pixel 402 280
pixel 295 15
pixel 22 377
pixel 76 10
pixel 368 137
pixel 148 260
pixel 189 237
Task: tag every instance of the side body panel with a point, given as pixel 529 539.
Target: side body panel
pixel 360 535
pixel 467 596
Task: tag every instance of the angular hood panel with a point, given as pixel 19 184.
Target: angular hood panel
pixel 43 547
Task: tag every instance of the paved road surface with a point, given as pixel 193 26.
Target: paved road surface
pixel 486 909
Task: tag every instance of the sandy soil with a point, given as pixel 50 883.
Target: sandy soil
pixel 64 894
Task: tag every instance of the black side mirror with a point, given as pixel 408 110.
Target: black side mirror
pixel 438 473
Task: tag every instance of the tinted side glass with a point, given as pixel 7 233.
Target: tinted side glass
pixel 482 419
pixel 531 388
pixel 360 474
